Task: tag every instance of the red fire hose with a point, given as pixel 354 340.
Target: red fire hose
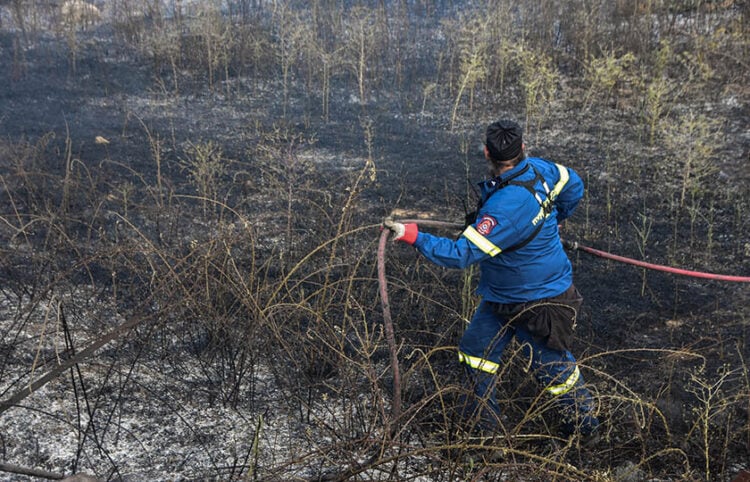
pixel 573 245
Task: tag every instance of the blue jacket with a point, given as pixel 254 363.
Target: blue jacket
pixel 509 216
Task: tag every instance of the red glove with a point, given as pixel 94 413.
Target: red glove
pixel 402 232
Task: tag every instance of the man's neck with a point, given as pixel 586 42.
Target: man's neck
pixel 500 169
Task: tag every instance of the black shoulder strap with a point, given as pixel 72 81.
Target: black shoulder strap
pixel 525 241
pixel 498 183
pixel 501 183
pixel 529 185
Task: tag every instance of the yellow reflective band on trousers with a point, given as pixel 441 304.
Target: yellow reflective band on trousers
pixel 478 363
pixel 481 242
pixel 567 385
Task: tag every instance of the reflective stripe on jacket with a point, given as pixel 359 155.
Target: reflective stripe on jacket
pixel 509 216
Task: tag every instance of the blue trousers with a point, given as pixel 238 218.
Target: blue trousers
pixel 481 349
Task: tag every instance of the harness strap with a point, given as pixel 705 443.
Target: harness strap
pixel 545 209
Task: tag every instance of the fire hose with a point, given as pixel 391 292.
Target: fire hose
pixel 388 328
pixel 570 245
pixel 573 245
pixel 388 321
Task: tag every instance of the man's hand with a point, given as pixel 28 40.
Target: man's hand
pixel 401 232
pixel 398 229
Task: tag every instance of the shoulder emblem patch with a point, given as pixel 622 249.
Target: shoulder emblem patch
pixel 486 224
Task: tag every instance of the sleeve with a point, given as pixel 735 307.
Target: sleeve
pixel 446 252
pixel 478 242
pixel 568 198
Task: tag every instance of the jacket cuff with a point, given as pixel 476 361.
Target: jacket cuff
pixel 410 233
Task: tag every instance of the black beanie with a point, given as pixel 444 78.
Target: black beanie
pixel 504 140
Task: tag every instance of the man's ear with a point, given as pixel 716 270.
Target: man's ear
pixel 486 153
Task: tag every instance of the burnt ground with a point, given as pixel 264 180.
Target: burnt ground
pixel 178 399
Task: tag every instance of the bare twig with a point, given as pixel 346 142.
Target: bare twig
pixel 17 469
pixel 70 362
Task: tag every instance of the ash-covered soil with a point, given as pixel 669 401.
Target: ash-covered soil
pixel 257 351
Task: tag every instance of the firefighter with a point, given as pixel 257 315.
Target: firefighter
pixel 526 281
